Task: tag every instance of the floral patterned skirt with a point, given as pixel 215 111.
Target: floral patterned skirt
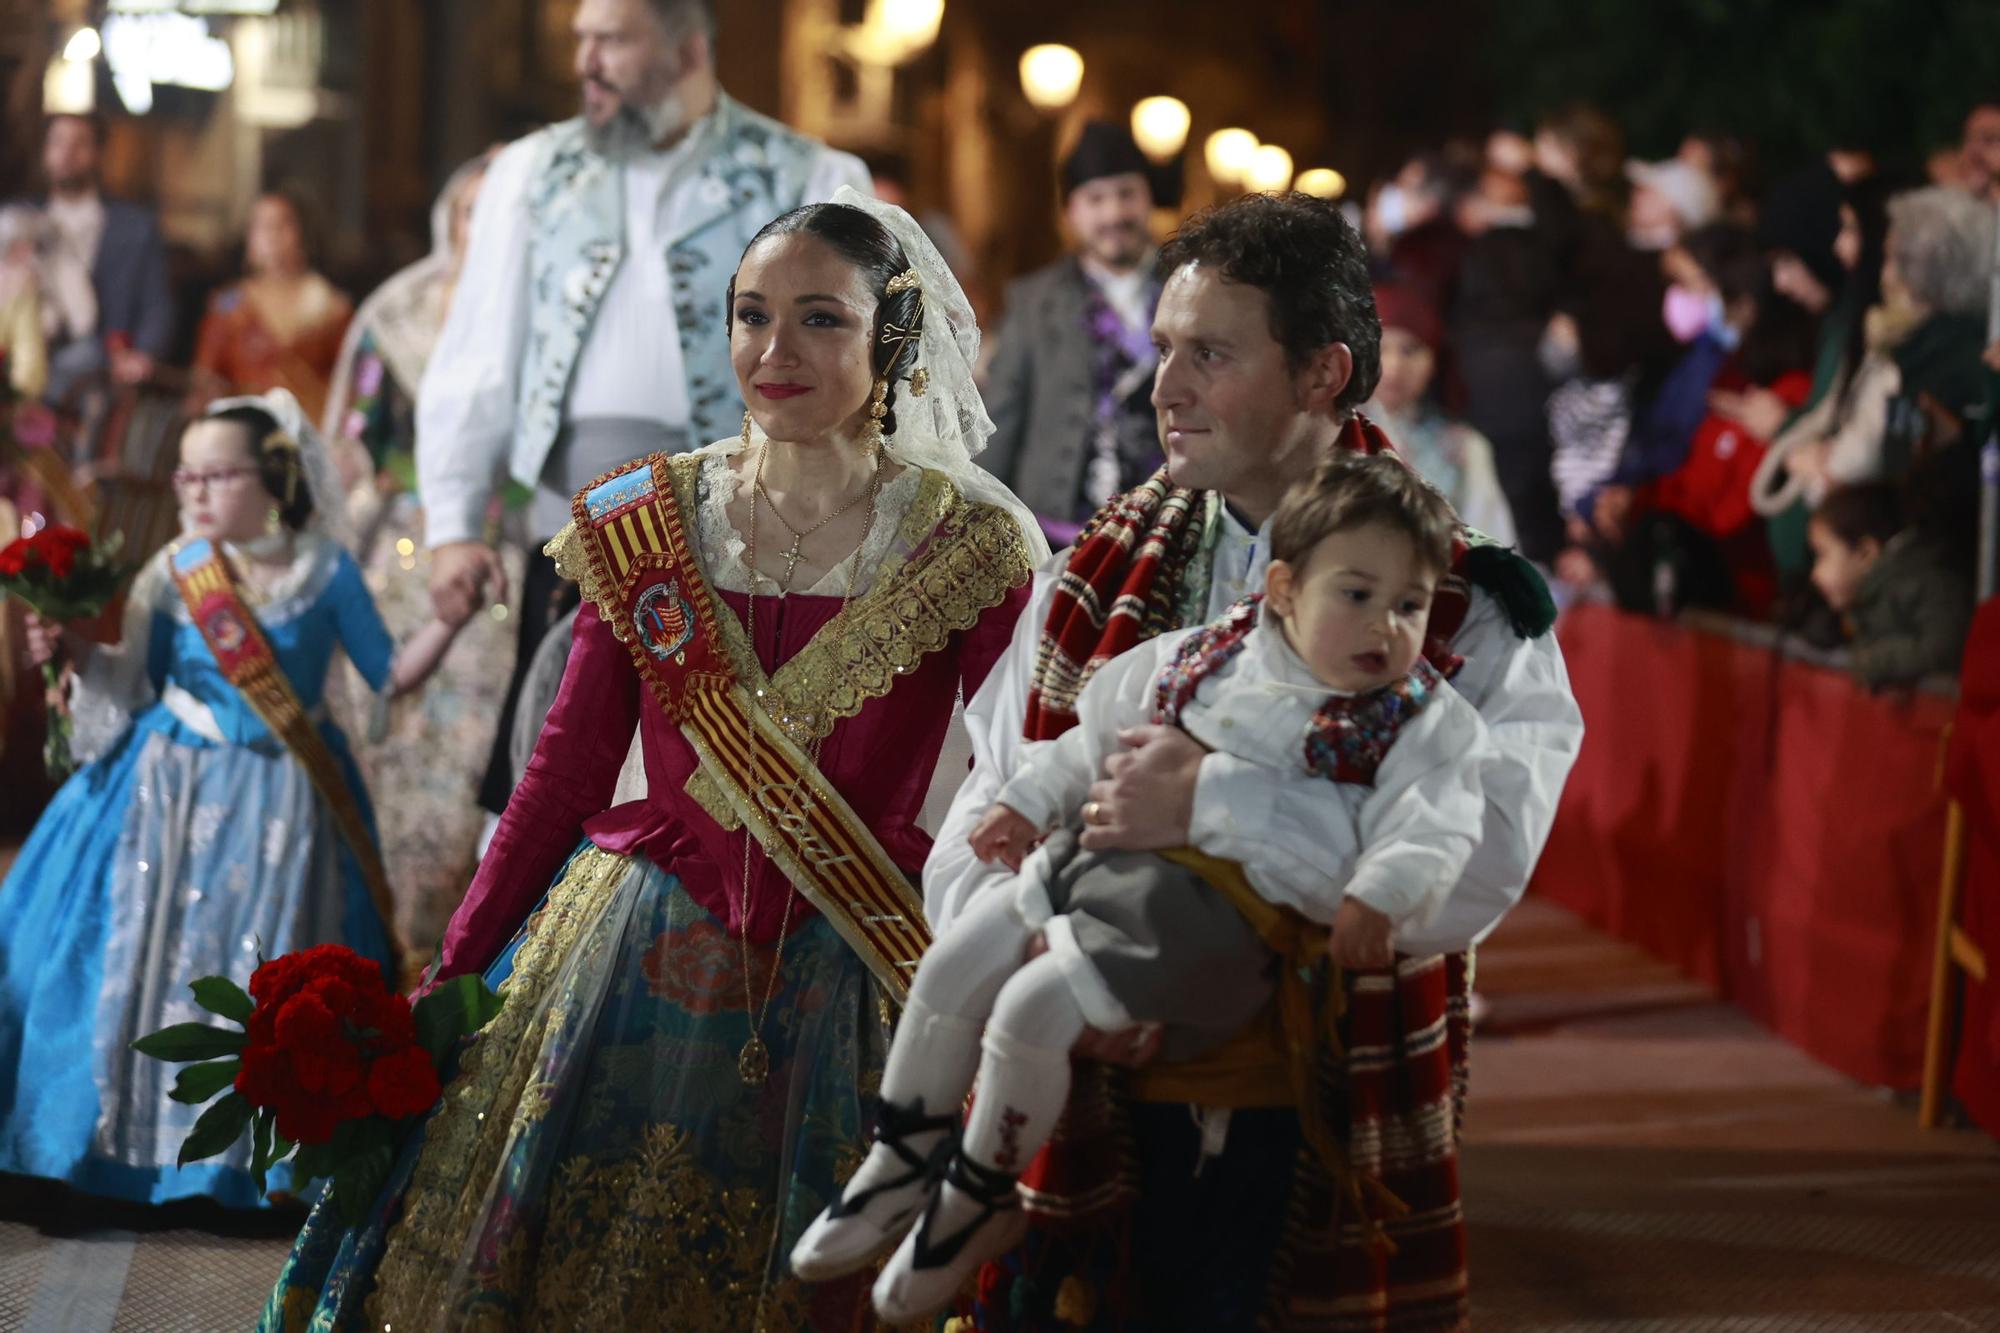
pixel 597 1160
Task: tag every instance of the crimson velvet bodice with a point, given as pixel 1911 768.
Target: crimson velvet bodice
pixel 880 759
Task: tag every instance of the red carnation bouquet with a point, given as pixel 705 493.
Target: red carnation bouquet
pixel 62 576
pixel 330 1067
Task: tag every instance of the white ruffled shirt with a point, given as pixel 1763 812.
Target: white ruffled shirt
pixel 1414 828
pixel 1247 812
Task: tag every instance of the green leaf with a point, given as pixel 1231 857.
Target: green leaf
pixel 455 1009
pixel 219 1127
pixel 198 1083
pixel 315 1161
pixel 190 1041
pixel 360 1178
pixel 260 1147
pixel 220 995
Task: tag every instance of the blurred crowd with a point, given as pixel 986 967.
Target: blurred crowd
pixel 1699 388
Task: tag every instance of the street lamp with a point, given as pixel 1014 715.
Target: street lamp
pixel 895 30
pixel 1324 182
pixel 1160 125
pixel 1228 154
pixel 1270 169
pixel 1051 75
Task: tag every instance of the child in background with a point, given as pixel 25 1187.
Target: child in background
pixel 1321 678
pixel 1906 607
pixel 1446 452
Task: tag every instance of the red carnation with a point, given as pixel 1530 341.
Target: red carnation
pixel 279 979
pixel 13 558
pixel 404 1084
pixel 307 1120
pixel 306 1023
pixel 388 1016
pixel 266 1075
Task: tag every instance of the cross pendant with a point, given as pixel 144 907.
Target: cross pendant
pixel 791 563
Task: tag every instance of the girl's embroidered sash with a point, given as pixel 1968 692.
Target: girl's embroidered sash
pixel 659 605
pixel 227 625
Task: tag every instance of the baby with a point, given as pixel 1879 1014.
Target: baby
pixel 1321 678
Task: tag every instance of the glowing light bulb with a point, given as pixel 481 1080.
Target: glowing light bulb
pixel 1228 154
pixel 1270 169
pixel 1160 125
pixel 1324 182
pixel 1051 75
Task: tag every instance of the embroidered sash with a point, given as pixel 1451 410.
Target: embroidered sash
pixel 644 576
pixel 208 586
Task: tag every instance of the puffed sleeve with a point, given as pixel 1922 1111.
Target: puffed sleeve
pixel 118 680
pixel 571 777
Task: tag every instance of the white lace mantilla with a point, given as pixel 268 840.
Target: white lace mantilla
pixel 725 552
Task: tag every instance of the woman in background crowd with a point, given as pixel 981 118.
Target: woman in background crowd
pixel 279 328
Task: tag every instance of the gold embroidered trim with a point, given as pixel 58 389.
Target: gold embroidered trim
pixel 617 1237
pixel 703 791
pixel 572 556
pixel 955 560
pixel 417 1283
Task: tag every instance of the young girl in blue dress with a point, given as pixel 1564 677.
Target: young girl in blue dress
pixel 198 839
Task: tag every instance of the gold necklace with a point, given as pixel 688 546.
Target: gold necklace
pixel 753 1062
pixel 799 537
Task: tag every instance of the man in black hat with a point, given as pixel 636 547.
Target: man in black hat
pixel 1073 368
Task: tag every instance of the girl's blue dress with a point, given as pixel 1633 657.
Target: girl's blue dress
pixel 193 845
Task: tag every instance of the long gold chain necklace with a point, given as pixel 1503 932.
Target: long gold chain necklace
pixel 799 537
pixel 753 1062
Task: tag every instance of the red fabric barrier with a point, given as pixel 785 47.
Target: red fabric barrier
pixel 1764 824
pixel 1974 779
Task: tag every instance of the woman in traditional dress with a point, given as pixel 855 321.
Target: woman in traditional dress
pixel 697 1010
pixel 222 819
pixel 281 327
pixel 424 770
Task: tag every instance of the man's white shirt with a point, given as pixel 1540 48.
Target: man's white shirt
pixel 630 365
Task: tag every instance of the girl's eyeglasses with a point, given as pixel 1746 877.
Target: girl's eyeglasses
pixel 189 482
